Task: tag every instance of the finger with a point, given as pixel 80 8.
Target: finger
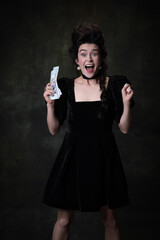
pixel 49 88
pixel 128 89
pixel 50 92
pixel 126 85
pixel 129 95
pixel 48 85
pixel 47 94
pixel 46 97
pixel 124 88
pixel 45 88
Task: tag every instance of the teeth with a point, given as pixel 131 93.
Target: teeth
pixel 89 66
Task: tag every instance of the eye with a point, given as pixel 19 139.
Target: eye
pixel 94 54
pixel 83 54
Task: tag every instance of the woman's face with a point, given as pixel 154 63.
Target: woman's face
pixel 88 59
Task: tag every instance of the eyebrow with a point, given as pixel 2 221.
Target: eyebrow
pixel 96 49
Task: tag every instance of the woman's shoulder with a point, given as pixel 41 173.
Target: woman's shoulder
pixel 116 84
pixel 64 82
pixel 118 80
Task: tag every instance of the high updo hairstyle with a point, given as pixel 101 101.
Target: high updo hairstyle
pixel 90 33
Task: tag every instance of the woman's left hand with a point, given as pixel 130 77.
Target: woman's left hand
pixel 127 93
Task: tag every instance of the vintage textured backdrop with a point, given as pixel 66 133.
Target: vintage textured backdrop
pixel 35 37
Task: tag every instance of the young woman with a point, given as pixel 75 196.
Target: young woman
pixel 88 174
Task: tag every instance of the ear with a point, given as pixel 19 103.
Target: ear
pixel 76 60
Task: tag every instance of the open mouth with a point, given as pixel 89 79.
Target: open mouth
pixel 89 68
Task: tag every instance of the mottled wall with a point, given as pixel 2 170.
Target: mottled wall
pixel 35 37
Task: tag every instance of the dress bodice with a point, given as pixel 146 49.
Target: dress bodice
pixel 110 108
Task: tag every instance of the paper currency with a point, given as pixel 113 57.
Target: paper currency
pixel 53 80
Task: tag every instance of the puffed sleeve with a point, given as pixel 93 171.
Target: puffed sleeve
pixel 117 85
pixel 61 103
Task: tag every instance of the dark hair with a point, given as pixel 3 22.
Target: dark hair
pixel 90 33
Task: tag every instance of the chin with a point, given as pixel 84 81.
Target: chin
pixel 87 74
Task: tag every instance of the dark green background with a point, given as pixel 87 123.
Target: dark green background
pixel 35 37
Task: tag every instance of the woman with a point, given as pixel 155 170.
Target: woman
pixel 87 174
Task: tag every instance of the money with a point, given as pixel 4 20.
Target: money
pixel 53 80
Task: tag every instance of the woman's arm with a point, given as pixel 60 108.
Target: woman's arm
pixel 125 120
pixel 52 121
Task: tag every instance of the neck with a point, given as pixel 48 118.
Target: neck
pixel 94 77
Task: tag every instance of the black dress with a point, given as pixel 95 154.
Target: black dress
pixel 88 172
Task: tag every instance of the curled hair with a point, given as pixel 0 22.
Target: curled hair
pixel 90 33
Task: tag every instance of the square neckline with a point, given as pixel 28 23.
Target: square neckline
pixel 94 101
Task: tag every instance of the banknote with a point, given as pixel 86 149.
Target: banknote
pixel 53 80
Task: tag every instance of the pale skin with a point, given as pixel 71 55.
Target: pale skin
pixel 89 61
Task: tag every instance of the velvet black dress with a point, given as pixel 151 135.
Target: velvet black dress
pixel 87 173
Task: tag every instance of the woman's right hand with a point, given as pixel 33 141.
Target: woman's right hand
pixel 52 120
pixel 49 90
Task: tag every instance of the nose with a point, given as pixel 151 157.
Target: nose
pixel 89 57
